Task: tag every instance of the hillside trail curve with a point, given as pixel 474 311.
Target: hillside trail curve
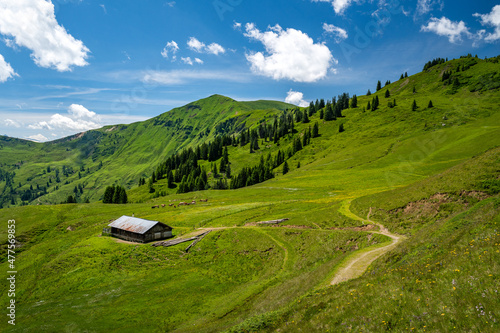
pixel 358 263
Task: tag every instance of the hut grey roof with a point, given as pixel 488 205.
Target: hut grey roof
pixel 134 224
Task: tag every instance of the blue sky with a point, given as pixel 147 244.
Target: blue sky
pixel 67 66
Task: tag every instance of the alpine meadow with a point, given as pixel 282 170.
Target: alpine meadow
pixel 369 203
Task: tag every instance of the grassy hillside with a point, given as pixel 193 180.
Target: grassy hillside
pixel 431 174
pixel 118 154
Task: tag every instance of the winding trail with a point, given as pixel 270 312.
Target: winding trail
pixel 356 264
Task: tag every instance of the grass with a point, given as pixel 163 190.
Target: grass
pixel 251 278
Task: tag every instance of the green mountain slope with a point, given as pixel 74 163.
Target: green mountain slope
pixel 431 174
pixel 119 154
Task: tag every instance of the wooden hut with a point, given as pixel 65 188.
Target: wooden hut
pixel 139 230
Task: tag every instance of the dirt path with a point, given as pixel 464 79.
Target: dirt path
pixel 356 264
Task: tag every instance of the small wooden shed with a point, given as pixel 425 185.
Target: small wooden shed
pixel 139 230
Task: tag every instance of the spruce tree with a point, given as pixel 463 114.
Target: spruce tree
pixel 341 128
pixel 108 194
pixel 368 93
pixel 321 114
pixel 305 118
pixel 414 105
pixel 368 106
pixel 285 168
pixel 430 105
pixel 298 165
pixel 379 85
pixel 406 74
pixel 329 115
pixel 387 93
pixel 315 132
pixel 402 77
pixel 354 102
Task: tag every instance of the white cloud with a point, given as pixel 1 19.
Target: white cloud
pixel 170 4
pixel 103 8
pixel 338 33
pixel 425 6
pixel 33 24
pixel 200 47
pixel 171 48
pixel 187 61
pixel 237 25
pixel 6 70
pixel 38 138
pixel 79 118
pixel 296 97
pixel 11 123
pixel 195 45
pixel 339 6
pixel 491 19
pixel 291 54
pixel 185 76
pixel 198 61
pixel 446 27
pixel 215 48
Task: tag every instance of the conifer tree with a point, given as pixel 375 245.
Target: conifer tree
pixel 108 194
pixel 402 77
pixel 414 105
pixel 406 74
pixel 379 85
pixel 315 132
pixel 387 93
pixel 285 168
pixel 368 106
pixel 430 105
pixel 305 118
pixel 298 165
pixel 368 93
pixel 341 128
pixel 321 114
pixel 354 102
pixel 329 115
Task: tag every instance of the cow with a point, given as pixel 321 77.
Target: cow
pixel 162 205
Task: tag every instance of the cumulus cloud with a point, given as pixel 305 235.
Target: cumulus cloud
pixel 198 61
pixel 11 123
pixel 491 19
pixel 200 47
pixel 79 118
pixel 296 97
pixel 237 25
pixel 338 33
pixel 170 50
pixel 290 54
pixel 339 6
pixel 187 61
pixel 37 138
pixel 6 70
pixel 446 27
pixel 32 24
pixel 425 6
